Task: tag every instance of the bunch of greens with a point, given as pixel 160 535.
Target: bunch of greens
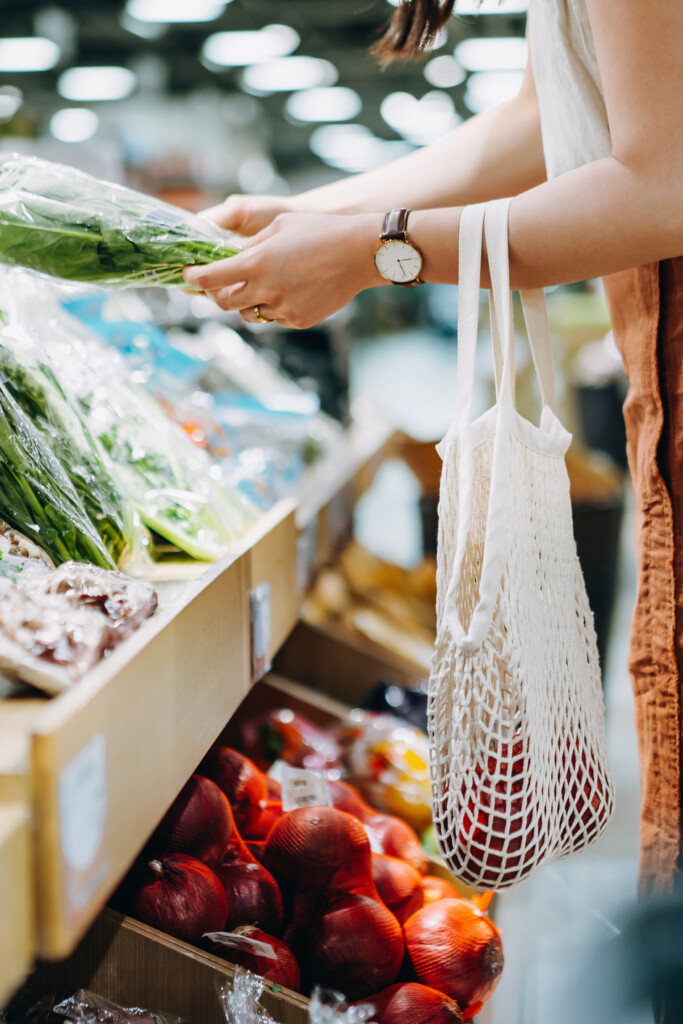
pixel 167 477
pixel 36 495
pixel 36 389
pixel 62 222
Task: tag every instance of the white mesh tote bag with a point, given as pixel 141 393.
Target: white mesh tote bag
pixel 516 721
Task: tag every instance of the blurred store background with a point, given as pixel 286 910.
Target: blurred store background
pixel 193 99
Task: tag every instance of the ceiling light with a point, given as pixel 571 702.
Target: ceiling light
pixel 353 147
pixel 10 101
pixel 505 54
pixel 74 124
pixel 238 49
pixel 444 72
pixel 420 121
pixel 175 11
pixel 97 83
pixel 286 74
pixel 28 53
pixel 335 103
pixel 487 89
pixel 491 6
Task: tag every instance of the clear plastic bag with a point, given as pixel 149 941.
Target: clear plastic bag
pixel 62 222
pixel 85 1007
pixel 34 386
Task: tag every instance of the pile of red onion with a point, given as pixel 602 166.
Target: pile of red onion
pixel 335 896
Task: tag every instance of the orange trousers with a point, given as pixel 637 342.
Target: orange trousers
pixel 647 314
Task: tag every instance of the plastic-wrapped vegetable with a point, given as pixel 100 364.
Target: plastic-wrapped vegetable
pixel 172 484
pixel 36 389
pixel 59 221
pixel 36 495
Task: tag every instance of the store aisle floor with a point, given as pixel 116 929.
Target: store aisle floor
pixel 552 923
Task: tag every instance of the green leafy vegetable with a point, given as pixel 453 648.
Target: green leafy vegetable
pixel 62 222
pixel 36 496
pixel 37 390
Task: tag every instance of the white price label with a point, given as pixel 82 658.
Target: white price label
pixel 303 788
pixel 232 940
pixel 261 631
pixel 82 796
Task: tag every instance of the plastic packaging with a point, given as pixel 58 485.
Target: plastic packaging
pixel 34 386
pixel 62 222
pixel 85 1007
pixel 388 761
pixel 240 1000
pixel 328 1007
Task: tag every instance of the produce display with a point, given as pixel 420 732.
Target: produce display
pixel 117 448
pixel 310 902
pixel 59 221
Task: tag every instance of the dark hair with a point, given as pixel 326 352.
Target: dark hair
pixel 413 26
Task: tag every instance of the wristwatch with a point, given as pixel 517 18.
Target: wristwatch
pixel 397 259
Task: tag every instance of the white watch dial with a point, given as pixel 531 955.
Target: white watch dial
pixel 398 261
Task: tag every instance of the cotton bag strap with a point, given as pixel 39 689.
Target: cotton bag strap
pixel 493 217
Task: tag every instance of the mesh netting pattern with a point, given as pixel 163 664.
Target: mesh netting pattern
pixel 519 769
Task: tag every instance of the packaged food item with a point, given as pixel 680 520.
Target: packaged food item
pixel 59 221
pixel 389 762
pixel 282 734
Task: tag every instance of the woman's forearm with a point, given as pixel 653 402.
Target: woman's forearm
pixel 498 153
pixel 601 218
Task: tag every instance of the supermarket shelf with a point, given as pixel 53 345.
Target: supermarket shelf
pixel 17 940
pixel 100 763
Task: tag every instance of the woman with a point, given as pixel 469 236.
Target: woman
pixel 592 151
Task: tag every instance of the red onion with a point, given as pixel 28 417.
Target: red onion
pixel 387 834
pixel 398 884
pixel 253 895
pixel 241 781
pixel 282 971
pixel 356 947
pixel 198 822
pixel 181 896
pixel 454 947
pixel 410 1003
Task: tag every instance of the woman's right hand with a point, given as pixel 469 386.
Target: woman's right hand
pixel 247 215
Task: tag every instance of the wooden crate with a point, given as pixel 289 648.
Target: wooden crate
pixel 107 757
pixel 134 965
pixel 17 932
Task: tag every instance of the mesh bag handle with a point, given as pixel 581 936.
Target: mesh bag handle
pixel 491 217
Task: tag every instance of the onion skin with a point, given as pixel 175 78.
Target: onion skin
pixel 389 835
pixel 410 1003
pixel 181 896
pixel 253 896
pixel 355 947
pixel 455 948
pixel 198 823
pixel 241 781
pixel 399 885
pixel 283 971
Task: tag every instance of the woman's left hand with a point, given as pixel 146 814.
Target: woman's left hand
pixel 300 269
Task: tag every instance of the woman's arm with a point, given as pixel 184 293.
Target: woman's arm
pixel 609 215
pixel 497 153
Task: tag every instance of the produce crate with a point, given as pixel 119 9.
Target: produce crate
pixel 134 965
pixel 17 938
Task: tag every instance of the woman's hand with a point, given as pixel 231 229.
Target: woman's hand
pixel 300 269
pixel 247 215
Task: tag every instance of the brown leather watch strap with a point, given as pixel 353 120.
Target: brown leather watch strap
pixel 395 224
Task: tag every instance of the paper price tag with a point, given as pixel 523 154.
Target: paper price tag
pixel 261 631
pixel 82 796
pixel 235 941
pixel 303 788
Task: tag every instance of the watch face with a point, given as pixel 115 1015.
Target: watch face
pixel 398 261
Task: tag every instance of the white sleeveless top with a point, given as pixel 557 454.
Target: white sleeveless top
pixel 573 115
